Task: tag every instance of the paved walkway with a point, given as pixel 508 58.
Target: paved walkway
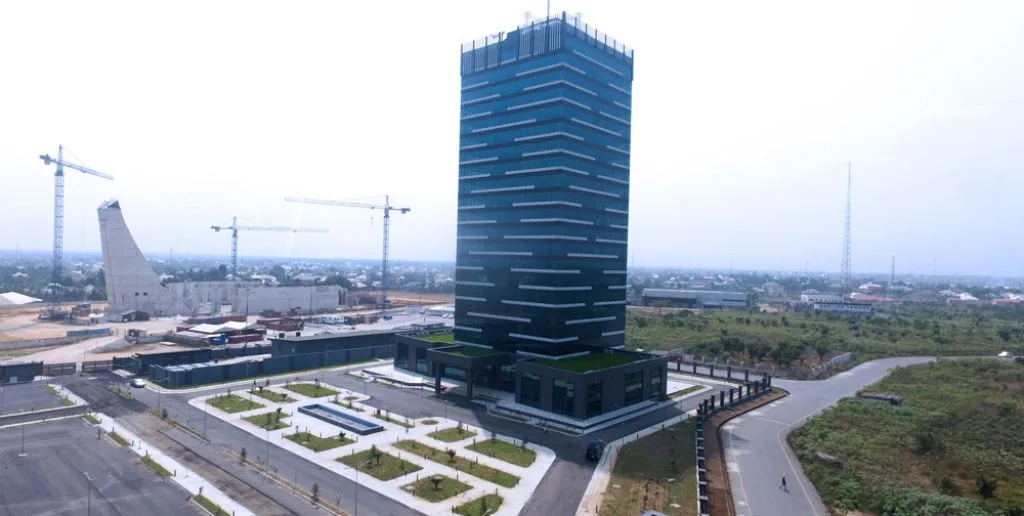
pixel 756 452
pixel 514 498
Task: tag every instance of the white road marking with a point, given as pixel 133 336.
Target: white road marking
pixel 743 487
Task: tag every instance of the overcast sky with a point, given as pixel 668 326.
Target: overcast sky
pixel 744 117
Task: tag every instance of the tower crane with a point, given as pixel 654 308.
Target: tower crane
pixel 58 223
pixel 235 228
pixel 386 208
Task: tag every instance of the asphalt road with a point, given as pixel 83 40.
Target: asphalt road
pixel 559 493
pixel 50 479
pixel 757 455
pixel 26 397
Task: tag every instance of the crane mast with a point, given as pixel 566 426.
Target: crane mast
pixel 234 227
pixel 387 208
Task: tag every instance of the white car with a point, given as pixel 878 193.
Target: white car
pixel 138 382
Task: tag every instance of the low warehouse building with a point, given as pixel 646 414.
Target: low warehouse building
pixel 693 298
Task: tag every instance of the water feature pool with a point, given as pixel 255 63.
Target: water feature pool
pixel 339 418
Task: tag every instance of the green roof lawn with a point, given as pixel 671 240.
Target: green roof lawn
pixel 473 351
pixel 591 362
pixel 438 337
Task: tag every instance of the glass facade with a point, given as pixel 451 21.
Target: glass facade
pixel 530 389
pixel 563 397
pixel 634 387
pixel 656 385
pixel 594 399
pixel 543 189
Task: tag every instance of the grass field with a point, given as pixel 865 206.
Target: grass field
pixel 209 506
pixel 447 488
pixel 785 338
pixel 460 463
pixel 451 435
pixel 483 506
pixel 268 420
pixel 438 337
pixel 348 405
pixel 688 390
pixel 959 428
pixel 157 468
pixel 318 444
pixel 386 468
pixel 91 419
pixel 269 395
pixel 387 418
pixel 117 438
pixel 231 403
pixel 505 451
pixel 591 362
pixel 643 470
pixel 311 390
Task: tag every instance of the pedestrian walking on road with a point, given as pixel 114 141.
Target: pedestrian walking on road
pixel 783 485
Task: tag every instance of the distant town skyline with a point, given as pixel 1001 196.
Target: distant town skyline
pixel 743 125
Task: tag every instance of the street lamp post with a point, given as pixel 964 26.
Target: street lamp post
pixel 88 507
pixel 267 467
pixel 365 463
pixel 22 454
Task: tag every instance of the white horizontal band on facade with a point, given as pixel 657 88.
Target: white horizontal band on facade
pixel 469 268
pixel 501 253
pixel 606 303
pixel 549 101
pixel 614 87
pixel 545 237
pixel 542 305
pixel 613 210
pixel 589 320
pixel 588 255
pixel 567 83
pixel 547 288
pixel 474 146
pixel 547 135
pixel 472 237
pixel 467 328
pixel 546 203
pixel 595 192
pixel 618 226
pixel 598 63
pixel 613 271
pixel 613 333
pixel 545 169
pixel 611 241
pixel 620 165
pixel 476 85
pixel 475 283
pixel 618 287
pixel 558 151
pixel 502 126
pixel 592 126
pixel 616 149
pixel 509 60
pixel 612 179
pixel 621 105
pixel 503 189
pixel 472 222
pixel 477 115
pixel 473 207
pixel 545 271
pixel 542 339
pixel 481 99
pixel 559 219
pixel 498 317
pixel 481 160
pixel 551 67
pixel 473 176
pixel 613 117
pixel 471 298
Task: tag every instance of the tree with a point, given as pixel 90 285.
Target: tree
pixel 341 435
pixel 277 415
pixel 460 429
pixel 437 482
pixel 522 444
pixel 986 486
pixel 451 454
pixel 316 493
pixel 375 454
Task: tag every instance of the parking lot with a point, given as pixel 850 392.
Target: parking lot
pixel 51 477
pixel 25 397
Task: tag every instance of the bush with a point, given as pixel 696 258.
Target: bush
pixel 948 487
pixel 986 486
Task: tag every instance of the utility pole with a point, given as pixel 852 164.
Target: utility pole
pixel 846 274
pixel 88 507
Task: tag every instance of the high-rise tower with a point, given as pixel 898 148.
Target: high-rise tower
pixel 543 189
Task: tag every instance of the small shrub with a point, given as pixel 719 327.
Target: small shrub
pixel 986 486
pixel 948 487
pixel 316 493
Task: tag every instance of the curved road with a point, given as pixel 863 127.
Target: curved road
pixel 756 452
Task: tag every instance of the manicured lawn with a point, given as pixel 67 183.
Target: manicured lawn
pixel 316 443
pixel 591 362
pixel 310 389
pixel 483 506
pixel 66 402
pixel 388 468
pixel 505 451
pixel 448 488
pixel 158 469
pixel 49 388
pixel 269 395
pixel 460 463
pixel 959 427
pixel 643 469
pixel 688 390
pixel 428 422
pixel 351 398
pixel 210 506
pixel 451 435
pixel 438 337
pixel 117 438
pixel 268 420
pixel 473 351
pixel 387 417
pixel 91 419
pixel 348 405
pixel 231 403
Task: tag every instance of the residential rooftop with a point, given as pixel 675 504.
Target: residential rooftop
pixel 591 362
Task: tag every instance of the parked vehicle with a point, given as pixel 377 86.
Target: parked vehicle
pixel 594 450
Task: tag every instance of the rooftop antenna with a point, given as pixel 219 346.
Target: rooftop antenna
pixel 549 11
pixel 846 267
